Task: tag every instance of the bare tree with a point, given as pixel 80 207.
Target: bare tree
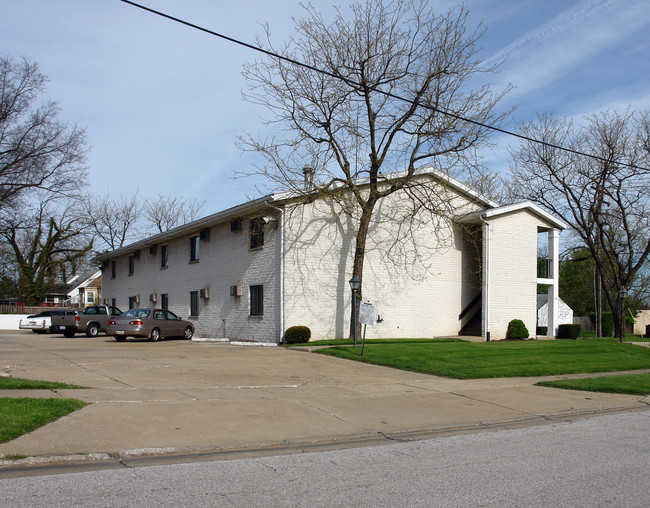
pixel 37 151
pixel 48 243
pixel 166 212
pixel 606 201
pixel 392 69
pixel 116 222
pixel 113 221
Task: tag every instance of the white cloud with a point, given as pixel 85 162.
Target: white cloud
pixel 573 38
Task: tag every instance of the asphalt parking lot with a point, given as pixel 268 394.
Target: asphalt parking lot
pixel 178 396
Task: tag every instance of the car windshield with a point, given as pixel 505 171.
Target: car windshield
pixel 137 313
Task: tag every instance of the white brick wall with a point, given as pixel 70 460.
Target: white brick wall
pixel 224 260
pixel 513 271
pixel 419 286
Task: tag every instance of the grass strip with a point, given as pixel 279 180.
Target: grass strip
pixel 20 416
pixel 349 342
pixel 473 360
pixel 10 383
pixel 633 384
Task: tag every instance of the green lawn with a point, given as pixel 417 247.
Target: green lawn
pixel 471 360
pixel 348 342
pixel 10 383
pixel 20 416
pixel 634 384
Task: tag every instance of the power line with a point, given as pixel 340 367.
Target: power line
pixel 387 94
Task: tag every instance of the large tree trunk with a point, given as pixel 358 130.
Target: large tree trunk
pixel 359 258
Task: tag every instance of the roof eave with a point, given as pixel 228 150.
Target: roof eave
pixel 197 225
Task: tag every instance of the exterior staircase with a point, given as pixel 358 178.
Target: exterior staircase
pixel 473 327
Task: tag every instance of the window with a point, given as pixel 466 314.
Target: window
pixel 194 248
pixel 164 256
pixel 132 302
pixel 90 297
pixel 257 232
pixel 131 264
pixel 257 300
pixel 113 302
pixel 194 303
pixel 112 269
pixel 164 301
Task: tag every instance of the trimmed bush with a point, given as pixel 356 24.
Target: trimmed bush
pixel 542 330
pixel 608 324
pixel 297 334
pixel 517 330
pixel 568 331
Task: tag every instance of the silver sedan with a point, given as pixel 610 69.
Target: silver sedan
pixel 150 323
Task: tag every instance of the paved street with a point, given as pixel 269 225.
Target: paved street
pixel 600 461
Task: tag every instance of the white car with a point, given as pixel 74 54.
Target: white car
pixel 41 322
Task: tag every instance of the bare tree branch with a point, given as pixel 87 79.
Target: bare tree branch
pixel 37 151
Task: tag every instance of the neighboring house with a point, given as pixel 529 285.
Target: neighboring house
pixel 642 321
pixel 254 270
pixel 83 290
pixel 565 313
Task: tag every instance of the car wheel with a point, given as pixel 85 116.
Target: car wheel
pixel 69 335
pixel 34 331
pixel 154 335
pixel 187 334
pixel 120 338
pixel 92 330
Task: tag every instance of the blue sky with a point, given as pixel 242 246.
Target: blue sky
pixel 162 103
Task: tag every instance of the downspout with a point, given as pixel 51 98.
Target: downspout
pixel 282 327
pixel 486 277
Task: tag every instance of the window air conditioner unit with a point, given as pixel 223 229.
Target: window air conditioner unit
pixel 205 235
pixel 153 297
pixel 235 290
pixel 236 226
pixel 204 293
pixel 136 299
pixel 153 250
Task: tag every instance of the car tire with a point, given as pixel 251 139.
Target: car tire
pixel 92 330
pixel 154 336
pixel 120 338
pixel 69 335
pixel 187 334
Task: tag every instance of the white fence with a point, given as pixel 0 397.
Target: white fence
pixel 11 321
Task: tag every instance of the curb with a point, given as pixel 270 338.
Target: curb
pixel 145 457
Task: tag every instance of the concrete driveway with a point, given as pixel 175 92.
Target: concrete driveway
pixel 178 396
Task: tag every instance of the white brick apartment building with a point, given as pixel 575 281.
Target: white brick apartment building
pixel 254 270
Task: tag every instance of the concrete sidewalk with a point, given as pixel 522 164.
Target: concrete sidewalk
pixel 180 397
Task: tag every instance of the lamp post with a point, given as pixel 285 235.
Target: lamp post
pixel 622 294
pixel 355 284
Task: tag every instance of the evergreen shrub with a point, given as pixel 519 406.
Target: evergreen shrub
pixel 517 330
pixel 297 334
